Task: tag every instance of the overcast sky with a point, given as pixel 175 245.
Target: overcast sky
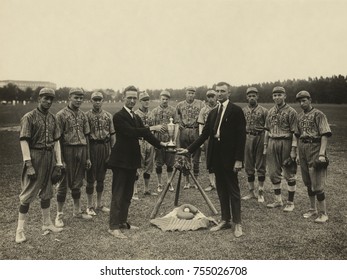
pixel 170 44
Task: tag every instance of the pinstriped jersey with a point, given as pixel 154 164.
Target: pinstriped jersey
pixel 255 118
pixel 74 126
pixel 162 115
pixel 101 124
pixel 39 129
pixel 144 117
pixel 204 113
pixel 188 113
pixel 312 124
pixel 281 122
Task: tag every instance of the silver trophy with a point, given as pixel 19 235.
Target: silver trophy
pixel 171 147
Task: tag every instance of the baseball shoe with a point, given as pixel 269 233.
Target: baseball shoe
pixel 275 204
pixel 310 213
pixel 171 188
pixel 249 196
pixel 82 215
pixel 52 228
pixel 59 221
pixel 135 196
pixel 20 237
pixel 221 225
pixel 289 207
pixel 261 197
pixel 238 230
pixel 91 211
pixel 210 188
pixel 160 188
pixel 186 186
pixel 117 233
pixel 322 218
pixel 103 209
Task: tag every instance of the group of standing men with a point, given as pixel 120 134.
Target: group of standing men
pixel 76 142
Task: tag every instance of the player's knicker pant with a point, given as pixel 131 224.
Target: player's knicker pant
pixel 147 156
pixel 164 158
pixel 75 160
pixel 122 190
pixel 187 137
pixel 99 153
pixel 254 158
pixel 227 187
pixel 308 153
pixel 279 150
pixel 43 163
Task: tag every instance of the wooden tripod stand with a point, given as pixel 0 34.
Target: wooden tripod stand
pixel 181 165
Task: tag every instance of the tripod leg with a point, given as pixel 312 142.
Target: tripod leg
pixel 178 188
pixel 204 195
pixel 162 195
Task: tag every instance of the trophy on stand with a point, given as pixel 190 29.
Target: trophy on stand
pixel 171 147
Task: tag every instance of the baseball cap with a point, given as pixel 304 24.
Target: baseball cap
pixel 303 94
pixel 251 90
pixel 211 92
pixel 76 91
pixel 165 93
pixel 143 95
pixel 278 90
pixel 47 92
pixel 190 88
pixel 97 94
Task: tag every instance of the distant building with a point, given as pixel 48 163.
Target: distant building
pixel 23 85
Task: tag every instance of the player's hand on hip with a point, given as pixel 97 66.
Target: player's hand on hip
pixel 88 164
pixel 30 170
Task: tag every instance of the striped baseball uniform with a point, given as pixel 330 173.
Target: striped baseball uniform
pixel 74 129
pixel 40 130
pixel 255 123
pixel 311 126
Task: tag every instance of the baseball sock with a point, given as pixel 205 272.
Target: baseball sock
pixel 21 221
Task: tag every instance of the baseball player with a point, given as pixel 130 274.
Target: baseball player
pixel 101 139
pixel 313 132
pixel 187 112
pixel 161 116
pixel 39 135
pixel 74 141
pixel 255 115
pixel 280 144
pixel 147 150
pixel 210 104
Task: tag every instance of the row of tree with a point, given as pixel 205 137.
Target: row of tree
pixel 323 90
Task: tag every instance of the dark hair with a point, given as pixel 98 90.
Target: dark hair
pixel 220 84
pixel 130 88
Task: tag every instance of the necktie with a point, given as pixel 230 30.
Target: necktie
pixel 134 118
pixel 216 123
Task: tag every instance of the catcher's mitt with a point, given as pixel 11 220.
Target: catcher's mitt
pixel 319 165
pixel 290 164
pixel 58 174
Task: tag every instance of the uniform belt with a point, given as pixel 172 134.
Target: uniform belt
pixel 190 126
pixel 310 140
pixel 99 141
pixel 281 137
pixel 50 148
pixel 254 133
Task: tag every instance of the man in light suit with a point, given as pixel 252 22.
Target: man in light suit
pixel 226 129
pixel 125 159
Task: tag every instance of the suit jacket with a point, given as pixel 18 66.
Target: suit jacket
pixel 232 136
pixel 126 152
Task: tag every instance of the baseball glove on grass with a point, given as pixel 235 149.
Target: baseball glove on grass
pixel 319 165
pixel 58 174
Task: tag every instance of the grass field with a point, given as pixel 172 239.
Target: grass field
pixel 268 234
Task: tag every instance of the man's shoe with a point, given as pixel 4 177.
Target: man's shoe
pixel 289 207
pixel 210 188
pixel 129 226
pixel 82 215
pixel 171 188
pixel 310 213
pixel 91 211
pixel 160 188
pixel 238 230
pixel 117 233
pixel 249 196
pixel 103 209
pixel 322 218
pixel 59 221
pixel 261 198
pixel 135 196
pixel 221 225
pixel 52 228
pixel 186 186
pixel 275 204
pixel 20 237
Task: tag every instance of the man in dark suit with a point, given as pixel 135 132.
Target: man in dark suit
pixel 125 158
pixel 226 129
